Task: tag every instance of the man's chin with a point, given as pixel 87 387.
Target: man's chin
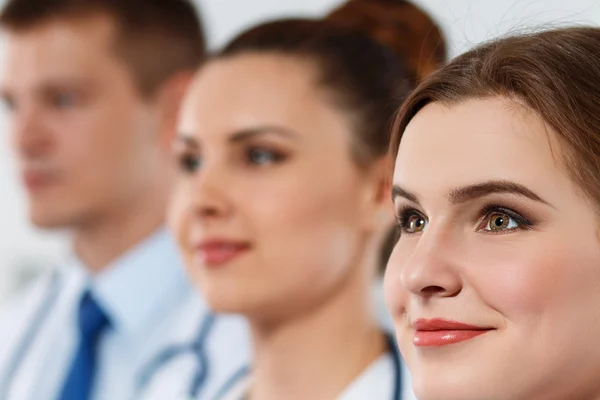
pixel 51 219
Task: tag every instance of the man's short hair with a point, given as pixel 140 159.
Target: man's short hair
pixel 155 38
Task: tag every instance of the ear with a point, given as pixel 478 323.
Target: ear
pixel 380 212
pixel 168 100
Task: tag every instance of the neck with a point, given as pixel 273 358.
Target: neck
pixel 318 354
pixel 104 239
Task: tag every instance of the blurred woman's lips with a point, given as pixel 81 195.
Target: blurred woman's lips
pixel 442 332
pixel 214 253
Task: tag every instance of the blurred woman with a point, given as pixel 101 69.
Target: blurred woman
pixel 494 284
pixel 283 200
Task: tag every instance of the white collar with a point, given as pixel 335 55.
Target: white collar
pixel 139 288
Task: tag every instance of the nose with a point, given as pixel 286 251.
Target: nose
pixel 27 136
pixel 210 198
pixel 428 268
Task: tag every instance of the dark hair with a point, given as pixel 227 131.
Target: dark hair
pixel 156 38
pixel 365 77
pixel 555 73
pixel 401 27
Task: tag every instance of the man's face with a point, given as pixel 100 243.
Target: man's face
pixel 83 137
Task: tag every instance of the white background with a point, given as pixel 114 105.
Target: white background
pixel 23 250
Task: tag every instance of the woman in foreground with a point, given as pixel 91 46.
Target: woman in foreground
pixel 494 284
pixel 282 205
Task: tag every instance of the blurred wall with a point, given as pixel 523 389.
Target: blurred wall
pixel 24 251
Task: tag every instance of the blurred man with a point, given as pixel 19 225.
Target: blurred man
pixel 93 89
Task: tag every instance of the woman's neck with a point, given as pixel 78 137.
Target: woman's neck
pixel 318 354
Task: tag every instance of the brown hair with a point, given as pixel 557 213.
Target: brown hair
pixel 156 38
pixel 358 63
pixel 555 73
pixel 402 27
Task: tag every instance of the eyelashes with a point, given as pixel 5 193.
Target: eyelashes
pixel 497 219
pixel 492 218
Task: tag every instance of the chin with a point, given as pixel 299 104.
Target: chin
pixel 463 382
pixel 440 391
pixel 260 305
pixel 225 303
pixel 48 219
pixel 224 294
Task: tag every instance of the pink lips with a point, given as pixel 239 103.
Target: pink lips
pixel 441 332
pixel 215 253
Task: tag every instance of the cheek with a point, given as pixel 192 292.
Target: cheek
pixel 542 277
pixel 310 228
pixel 179 217
pixel 396 296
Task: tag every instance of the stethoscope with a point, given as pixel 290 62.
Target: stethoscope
pixel 391 345
pixel 152 368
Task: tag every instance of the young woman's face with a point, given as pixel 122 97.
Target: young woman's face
pixel 494 285
pixel 271 212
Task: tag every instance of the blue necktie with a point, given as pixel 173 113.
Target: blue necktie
pixel 92 322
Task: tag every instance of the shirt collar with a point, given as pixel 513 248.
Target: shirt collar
pixel 142 286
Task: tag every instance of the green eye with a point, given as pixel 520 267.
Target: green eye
pixel 498 221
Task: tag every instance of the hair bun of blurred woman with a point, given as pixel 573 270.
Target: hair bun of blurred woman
pixel 400 26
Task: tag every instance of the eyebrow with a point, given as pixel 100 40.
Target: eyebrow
pixel 397 191
pixel 239 136
pixel 475 191
pixel 245 134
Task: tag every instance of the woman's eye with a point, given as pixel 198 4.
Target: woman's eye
pixel 262 157
pixel 412 222
pixel 497 222
pixel 189 163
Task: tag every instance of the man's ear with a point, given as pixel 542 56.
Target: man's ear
pixel 168 101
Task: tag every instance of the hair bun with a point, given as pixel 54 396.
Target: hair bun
pixel 399 25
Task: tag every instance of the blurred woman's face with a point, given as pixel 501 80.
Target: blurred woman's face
pixel 270 210
pixel 494 285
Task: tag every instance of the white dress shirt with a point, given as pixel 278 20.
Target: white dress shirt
pixel 151 306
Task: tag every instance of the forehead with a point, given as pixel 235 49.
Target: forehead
pixel 58 47
pixel 247 89
pixel 446 146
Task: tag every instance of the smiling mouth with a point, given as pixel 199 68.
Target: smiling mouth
pixel 439 332
pixel 217 253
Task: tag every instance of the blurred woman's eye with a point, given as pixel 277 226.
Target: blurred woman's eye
pixel 258 156
pixel 189 163
pixel 500 220
pixel 410 221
